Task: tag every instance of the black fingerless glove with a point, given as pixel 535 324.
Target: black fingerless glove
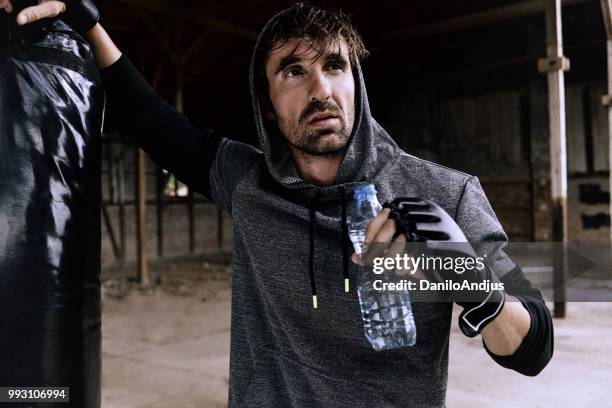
pixel 80 15
pixel 425 221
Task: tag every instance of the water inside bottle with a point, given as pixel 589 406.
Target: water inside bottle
pixel 387 315
pixel 357 236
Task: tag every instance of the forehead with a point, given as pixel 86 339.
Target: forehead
pixel 305 50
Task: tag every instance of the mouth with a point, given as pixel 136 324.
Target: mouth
pixel 323 119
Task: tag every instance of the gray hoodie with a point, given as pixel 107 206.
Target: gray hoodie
pixel 290 241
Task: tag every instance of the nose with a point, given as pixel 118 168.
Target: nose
pixel 320 88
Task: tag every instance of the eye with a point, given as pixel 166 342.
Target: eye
pixel 335 66
pixel 293 72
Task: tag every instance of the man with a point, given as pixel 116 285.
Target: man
pixel 297 333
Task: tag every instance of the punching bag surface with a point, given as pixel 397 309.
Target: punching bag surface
pixel 51 108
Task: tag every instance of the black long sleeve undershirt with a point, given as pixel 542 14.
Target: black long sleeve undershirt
pixel 537 347
pixel 158 128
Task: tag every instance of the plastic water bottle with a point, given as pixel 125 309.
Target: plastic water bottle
pixel 387 315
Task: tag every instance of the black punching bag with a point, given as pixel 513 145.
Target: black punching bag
pixel 51 109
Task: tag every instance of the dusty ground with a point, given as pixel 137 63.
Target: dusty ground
pixel 578 375
pixel 168 347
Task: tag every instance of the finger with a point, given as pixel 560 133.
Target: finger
pixel 376 223
pixel 412 250
pixel 6 6
pixel 397 248
pixel 356 258
pixel 419 274
pixel 386 232
pixel 378 245
pixel 47 9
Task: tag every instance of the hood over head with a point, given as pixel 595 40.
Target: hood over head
pixel 368 151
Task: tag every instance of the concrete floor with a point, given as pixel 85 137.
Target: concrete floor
pixel 169 347
pixel 578 375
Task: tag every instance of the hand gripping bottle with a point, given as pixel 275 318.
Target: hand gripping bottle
pixel 387 315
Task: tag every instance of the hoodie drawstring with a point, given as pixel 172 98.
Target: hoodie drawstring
pixel 345 248
pixel 345 265
pixel 313 284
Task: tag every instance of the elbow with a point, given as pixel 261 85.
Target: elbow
pixel 545 353
pixel 536 350
pixel 542 341
pixel 535 366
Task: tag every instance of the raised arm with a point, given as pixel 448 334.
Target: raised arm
pixel 105 50
pixel 144 117
pixel 149 121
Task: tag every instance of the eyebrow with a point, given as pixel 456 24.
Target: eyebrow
pixel 293 59
pixel 286 61
pixel 335 56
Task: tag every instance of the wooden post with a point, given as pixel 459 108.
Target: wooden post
pixel 178 95
pixel 121 202
pixel 179 58
pixel 219 228
pixel 109 169
pixel 606 6
pixel 179 65
pixel 111 233
pixel 111 179
pixel 609 58
pixel 554 64
pixel 191 213
pixel 159 181
pixel 159 209
pixel 141 218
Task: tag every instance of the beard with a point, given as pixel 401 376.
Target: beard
pixel 310 141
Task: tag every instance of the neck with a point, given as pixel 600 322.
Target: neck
pixel 318 170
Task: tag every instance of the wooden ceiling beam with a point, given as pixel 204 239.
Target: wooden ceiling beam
pixel 154 29
pixel 165 8
pixel 195 46
pixel 522 9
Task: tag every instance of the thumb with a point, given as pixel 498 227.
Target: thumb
pixel 46 9
pixel 6 6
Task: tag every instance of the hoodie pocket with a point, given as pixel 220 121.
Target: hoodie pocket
pixel 281 381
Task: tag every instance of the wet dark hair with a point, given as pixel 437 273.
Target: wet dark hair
pixel 320 27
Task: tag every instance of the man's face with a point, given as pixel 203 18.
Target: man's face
pixel 313 99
